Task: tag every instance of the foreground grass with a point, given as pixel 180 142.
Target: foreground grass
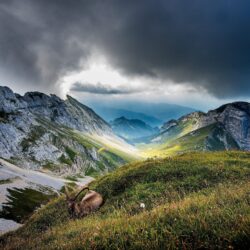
pixel 198 200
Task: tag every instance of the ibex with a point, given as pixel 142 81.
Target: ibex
pixel 91 202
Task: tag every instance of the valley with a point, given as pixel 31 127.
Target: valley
pixel 225 128
pixel 48 143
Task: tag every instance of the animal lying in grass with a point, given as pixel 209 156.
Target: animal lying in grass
pixel 91 202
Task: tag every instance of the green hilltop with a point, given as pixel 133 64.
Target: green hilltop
pixel 192 201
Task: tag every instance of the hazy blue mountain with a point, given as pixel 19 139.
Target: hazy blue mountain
pixel 153 114
pixel 162 111
pixel 131 129
pixel 110 114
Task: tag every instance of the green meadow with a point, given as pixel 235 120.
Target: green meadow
pixel 192 201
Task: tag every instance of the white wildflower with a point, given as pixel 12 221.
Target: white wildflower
pixel 142 205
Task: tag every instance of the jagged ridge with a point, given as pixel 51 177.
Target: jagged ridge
pixel 225 128
pixel 40 131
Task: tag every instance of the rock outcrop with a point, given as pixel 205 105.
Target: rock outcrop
pixel 41 131
pixel 231 124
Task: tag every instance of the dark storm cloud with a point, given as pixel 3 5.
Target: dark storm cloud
pixel 206 43
pixel 37 42
pixel 100 89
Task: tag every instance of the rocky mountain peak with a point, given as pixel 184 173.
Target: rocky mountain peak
pixel 123 120
pixel 6 92
pixel 193 115
pixel 40 130
pixel 169 124
pixel 9 101
pixel 69 112
pixel 132 129
pixel 243 106
pixel 236 119
pixel 233 117
pixel 38 99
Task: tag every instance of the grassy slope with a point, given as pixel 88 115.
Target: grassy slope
pixel 112 153
pixel 109 154
pixel 186 140
pixel 196 200
pixel 168 144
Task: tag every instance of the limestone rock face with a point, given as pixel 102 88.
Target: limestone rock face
pixel 10 102
pixel 169 124
pixel 37 130
pixel 233 119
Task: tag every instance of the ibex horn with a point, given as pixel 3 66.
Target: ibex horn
pixel 66 191
pixel 80 192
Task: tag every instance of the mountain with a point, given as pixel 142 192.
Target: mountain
pixel 162 111
pixel 65 137
pixel 225 128
pixel 110 114
pixel 151 113
pixel 131 129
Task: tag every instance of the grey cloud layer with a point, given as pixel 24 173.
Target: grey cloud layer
pixel 202 42
pixel 100 89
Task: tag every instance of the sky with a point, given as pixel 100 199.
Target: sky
pixel 190 52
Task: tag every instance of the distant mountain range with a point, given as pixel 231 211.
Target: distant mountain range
pixel 153 114
pixel 110 114
pixel 132 129
pixel 47 133
pixel 225 128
